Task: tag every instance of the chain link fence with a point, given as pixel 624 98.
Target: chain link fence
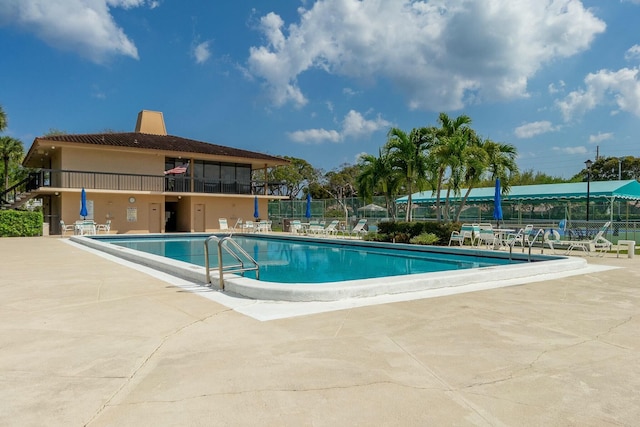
pixel 547 215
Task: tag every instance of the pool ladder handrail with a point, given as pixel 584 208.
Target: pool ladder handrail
pixel 236 268
pixel 530 243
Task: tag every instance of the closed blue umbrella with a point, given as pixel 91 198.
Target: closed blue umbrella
pixel 83 204
pixel 497 203
pixel 308 211
pixel 256 213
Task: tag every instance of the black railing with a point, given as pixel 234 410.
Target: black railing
pixel 11 194
pixel 131 182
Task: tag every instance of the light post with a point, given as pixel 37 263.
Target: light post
pixel 588 164
pixel 619 178
pixel 619 168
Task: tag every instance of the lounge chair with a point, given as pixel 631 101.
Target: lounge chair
pixel 263 227
pixel 104 227
pixel 523 236
pixel 223 225
pixel 487 236
pixel 359 230
pixel 248 226
pixel 332 228
pixel 64 228
pixel 467 231
pixel 554 241
pixel 296 226
pixel 599 243
pixel 315 229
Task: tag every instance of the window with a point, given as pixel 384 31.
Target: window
pixel 216 177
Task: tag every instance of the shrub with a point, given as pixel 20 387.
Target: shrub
pixel 402 231
pixel 424 239
pixel 14 223
pixel 376 237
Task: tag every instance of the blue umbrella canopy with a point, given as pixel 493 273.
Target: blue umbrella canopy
pixel 83 204
pixel 256 213
pixel 497 202
pixel 307 213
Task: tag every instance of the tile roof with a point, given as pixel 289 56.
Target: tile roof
pixel 159 142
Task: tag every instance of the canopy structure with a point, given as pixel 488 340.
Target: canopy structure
pixel 372 208
pixel 609 190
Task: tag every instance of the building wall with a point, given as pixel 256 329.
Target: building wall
pixel 115 207
pixel 110 160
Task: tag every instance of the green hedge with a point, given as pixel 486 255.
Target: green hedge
pixel 20 223
pixel 403 232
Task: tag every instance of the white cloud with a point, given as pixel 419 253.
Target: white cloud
pixel 620 88
pixel 440 54
pixel 633 52
pixel 201 52
pixel 555 89
pixel 315 136
pixel 529 130
pixel 571 150
pixel 84 27
pixel 330 106
pixel 594 139
pixel 354 125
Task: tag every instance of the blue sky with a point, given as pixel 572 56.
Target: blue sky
pixel 324 80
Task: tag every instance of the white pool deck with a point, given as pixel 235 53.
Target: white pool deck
pixel 90 340
pixel 353 291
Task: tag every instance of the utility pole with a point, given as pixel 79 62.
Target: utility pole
pixel 619 169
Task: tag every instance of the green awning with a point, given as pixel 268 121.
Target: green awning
pixel 628 189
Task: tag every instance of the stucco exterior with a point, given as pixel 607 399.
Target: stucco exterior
pixel 127 186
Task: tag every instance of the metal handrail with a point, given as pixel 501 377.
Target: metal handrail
pixel 532 241
pixel 235 268
pixel 512 241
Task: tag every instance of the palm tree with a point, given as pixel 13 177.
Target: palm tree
pixel 11 151
pixel 502 161
pixel 448 142
pixel 3 120
pixel 408 158
pixel 476 161
pixel 377 173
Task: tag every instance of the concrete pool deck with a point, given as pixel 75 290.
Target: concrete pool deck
pixel 89 341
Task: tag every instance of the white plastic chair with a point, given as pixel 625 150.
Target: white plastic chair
pixel 64 228
pixel 104 227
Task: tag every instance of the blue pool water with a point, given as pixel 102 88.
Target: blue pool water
pixel 287 260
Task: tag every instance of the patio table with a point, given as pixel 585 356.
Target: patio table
pixel 502 234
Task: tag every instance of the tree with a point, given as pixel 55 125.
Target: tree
pixel 529 177
pixel 290 180
pixel 56 132
pixel 338 184
pixel 448 138
pixel 475 161
pixel 377 176
pixel 607 169
pixel 407 156
pixel 502 162
pixel 11 153
pixel 3 120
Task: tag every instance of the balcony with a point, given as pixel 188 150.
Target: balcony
pixel 54 178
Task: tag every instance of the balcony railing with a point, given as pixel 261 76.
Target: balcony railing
pixel 137 182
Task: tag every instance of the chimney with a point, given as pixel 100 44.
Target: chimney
pixel 150 122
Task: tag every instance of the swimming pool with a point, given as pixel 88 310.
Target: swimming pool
pixel 338 283
pixel 288 260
